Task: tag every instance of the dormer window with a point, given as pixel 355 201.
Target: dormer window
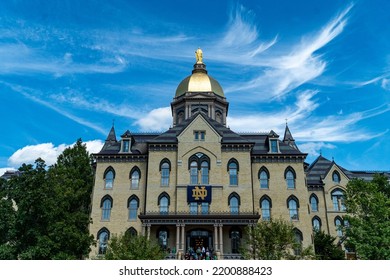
pixel 274 146
pixel 126 146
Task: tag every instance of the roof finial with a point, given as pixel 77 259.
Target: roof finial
pixel 113 122
pixel 286 121
pixel 199 56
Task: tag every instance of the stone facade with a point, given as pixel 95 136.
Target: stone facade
pixel 144 182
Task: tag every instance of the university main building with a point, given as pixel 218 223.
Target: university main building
pixel 200 184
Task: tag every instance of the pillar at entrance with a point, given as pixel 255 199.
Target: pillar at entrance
pixel 182 246
pixel 216 247
pixel 221 239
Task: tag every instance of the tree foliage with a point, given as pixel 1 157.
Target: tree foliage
pixel 47 209
pixel 133 247
pixel 368 219
pixel 273 240
pixel 325 247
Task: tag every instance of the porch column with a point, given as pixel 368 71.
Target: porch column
pixel 177 237
pixel 143 231
pixel 221 239
pixel 216 237
pixel 182 236
pixel 148 233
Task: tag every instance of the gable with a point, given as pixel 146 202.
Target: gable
pixel 198 126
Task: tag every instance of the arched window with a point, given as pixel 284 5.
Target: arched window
pixel 233 172
pixel 265 205
pixel 194 173
pixel 298 240
pixel 316 222
pixel 131 232
pixel 235 237
pixel 338 200
pixel 336 177
pixel 289 175
pixel 106 205
pixel 109 176
pixel 314 203
pixel 133 204
pixel 293 205
pixel 234 203
pixel 199 163
pixel 103 237
pixel 135 176
pixel 264 178
pixel 163 202
pixel 338 222
pixel 205 172
pixel 165 169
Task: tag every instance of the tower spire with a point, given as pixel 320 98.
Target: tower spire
pixel 288 138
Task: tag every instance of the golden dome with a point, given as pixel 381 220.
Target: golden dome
pixel 199 81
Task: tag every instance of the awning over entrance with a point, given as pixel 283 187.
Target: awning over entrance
pixel 154 218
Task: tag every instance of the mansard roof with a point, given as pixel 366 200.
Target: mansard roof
pixel 320 168
pixel 258 141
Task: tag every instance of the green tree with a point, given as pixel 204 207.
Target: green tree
pixel 325 248
pixel 7 223
pixel 46 210
pixel 133 247
pixel 273 240
pixel 71 180
pixel 367 225
pixel 31 196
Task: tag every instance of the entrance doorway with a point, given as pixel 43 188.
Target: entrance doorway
pixel 199 238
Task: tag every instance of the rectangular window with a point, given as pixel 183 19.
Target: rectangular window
pixel 125 146
pixel 233 177
pixel 266 213
pixel 274 146
pixel 199 135
pixel 194 175
pixel 205 175
pixel 294 214
pixel 165 177
pixel 205 208
pixel 193 208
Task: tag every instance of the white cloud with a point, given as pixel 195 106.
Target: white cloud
pixel 280 74
pixel 4 169
pixel 385 84
pixel 264 122
pixel 47 151
pixel 156 120
pixel 308 127
pixel 314 148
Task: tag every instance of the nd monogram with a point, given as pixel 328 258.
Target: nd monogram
pixel 199 193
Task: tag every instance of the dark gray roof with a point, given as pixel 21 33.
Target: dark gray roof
pixel 228 136
pixel 318 170
pixel 369 175
pixel 140 141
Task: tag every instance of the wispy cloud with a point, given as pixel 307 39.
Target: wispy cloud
pixel 309 127
pixel 315 148
pixel 34 97
pixel 281 73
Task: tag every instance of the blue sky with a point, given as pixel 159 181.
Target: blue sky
pixel 69 68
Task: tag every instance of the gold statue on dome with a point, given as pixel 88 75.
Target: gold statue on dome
pixel 199 56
